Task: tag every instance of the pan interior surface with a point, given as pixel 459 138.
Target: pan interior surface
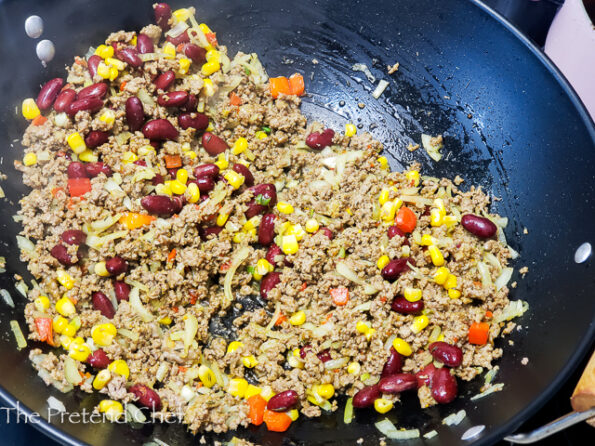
pixel 509 125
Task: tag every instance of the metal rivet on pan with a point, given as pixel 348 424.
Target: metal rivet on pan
pixel 34 26
pixel 45 51
pixel 473 432
pixel 583 252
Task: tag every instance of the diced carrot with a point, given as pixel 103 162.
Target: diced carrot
pixel 193 297
pixel 134 220
pixel 123 85
pixel 340 295
pixel 224 266
pixel 257 407
pixel 406 219
pixel 234 99
pixel 44 329
pixel 279 85
pixel 479 332
pixel 296 84
pixel 79 61
pixel 327 318
pixel 78 186
pixel 40 120
pixel 382 299
pixel 182 369
pixel 56 190
pixel 282 318
pixel 172 161
pixel 304 286
pixel 180 47
pixel 175 309
pixel 477 284
pixel 276 421
pixel 212 38
pixel 489 314
pixel 172 255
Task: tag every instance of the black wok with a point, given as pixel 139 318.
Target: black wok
pixel 511 123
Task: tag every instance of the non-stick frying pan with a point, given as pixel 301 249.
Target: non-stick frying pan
pixel 510 122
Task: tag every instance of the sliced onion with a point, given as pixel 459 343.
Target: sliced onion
pixel 7 297
pixel 132 335
pixel 348 414
pixel 321 331
pixel 416 199
pixel 492 260
pixel 364 69
pixel 162 371
pixel 382 84
pixel 349 274
pixel 146 57
pixel 71 372
pixel 336 363
pixel 432 146
pixel 454 418
pixel 431 434
pixel 237 259
pixel 484 272
pixel 18 335
pixel 26 245
pixel 138 307
pixel 114 188
pixel 101 225
pixel 515 308
pixel 136 415
pixel 122 138
pixel 22 288
pixel 97 242
pixel 190 330
pixel 490 375
pixel 389 342
pixel 55 404
pixel 178 29
pixel 390 430
pixel 503 278
pixel 363 307
pixel 490 390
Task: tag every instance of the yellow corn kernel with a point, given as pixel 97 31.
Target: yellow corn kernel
pixel 382 261
pixel 77 349
pixel 103 70
pixel 169 50
pixel 441 275
pixel 451 281
pixel 64 279
pixel 296 230
pixel 108 117
pixel 436 255
pixel 76 142
pixel 182 176
pixel 206 376
pixel 419 323
pixel 383 162
pixel 412 294
pixel 312 225
pixel 350 130
pixel 204 28
pixel 70 330
pixel 177 187
pixel 41 303
pixel 65 307
pixel 239 237
pixel 184 65
pixel 234 178
pixel 134 40
pixel 100 269
pixel 388 211
pixel 65 341
pixel 354 368
pixel 362 327
pixel 30 159
pixel 101 379
pixel 289 244
pixel 222 162
pixel 233 346
pixel 294 414
pixel 59 324
pixel 88 156
pixel 165 320
pixel 261 135
pixel 251 224
pixel 249 361
pixel 405 251
pixel 119 367
pixel 326 391
pixel 267 392
pixel 104 334
pixel 208 88
pixel 237 387
pixel 370 333
pixel 382 405
pixel 191 154
pixel 285 208
pixel 413 177
pixel 129 157
pixel 454 293
pixel 450 220
pixel 439 204
pixel 117 63
pixel 113 73
pixel 105 51
pixel 240 146
pixel 402 347
pixel 436 217
pixel 210 67
pixel 163 189
pixel 112 409
pixel 181 14
pixel 427 240
pixel 297 318
pixel 383 197
pixel 252 390
pixel 263 267
pixel 145 150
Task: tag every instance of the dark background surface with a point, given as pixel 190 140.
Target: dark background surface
pixel 533 17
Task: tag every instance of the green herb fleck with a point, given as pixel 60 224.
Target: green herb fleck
pixel 250 269
pixel 247 71
pixel 342 253
pixel 267 130
pixel 262 200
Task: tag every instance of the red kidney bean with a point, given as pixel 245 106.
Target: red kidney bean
pixel 77 169
pixel 320 140
pixel 64 99
pixel 394 230
pixel 205 184
pixel 211 230
pixel 102 303
pixel 479 226
pixel 182 38
pixel 326 231
pixel 426 375
pixel 141 163
pixel 397 383
pixel 97 90
pixel 156 144
pixel 60 253
pixel 403 306
pixel 90 104
pixel 366 397
pixel 173 99
pixel 49 92
pixel 144 44
pixel 122 290
pixel 324 356
pixel 92 64
pixel 135 113
pixel 147 397
pixel 268 282
pixel 94 169
pixel 198 122
pixel 157 179
pixel 444 386
pixel 273 252
pixel 196 53
pixel 283 401
pixel 98 359
pixel 172 172
pixel 160 130
pixel 393 364
pixel 213 144
pixel 394 269
pixel 209 170
pixel 158 204
pixel 162 15
pixel 267 192
pixel 130 56
pixel 448 354
pixel 95 138
pixel 164 80
pixel 116 265
pixel 266 230
pixel 245 172
pixel 179 203
pixel 190 105
pixel 304 350
pixel 73 237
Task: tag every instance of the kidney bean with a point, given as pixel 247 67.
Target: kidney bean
pixel 60 253
pixel 130 56
pixel 324 356
pixel 448 354
pixel 268 282
pixel 90 104
pixel 77 169
pixel 158 204
pixel 426 375
pixel 97 90
pixel 197 54
pixel 93 63
pixel 403 306
pixel 393 364
pixel 98 359
pixel 211 230
pixel 198 122
pixel 366 397
pixel 182 38
pixel 268 192
pixel 140 163
pixel 157 179
pixel 190 105
pixel 102 303
pixel 245 172
pixel 479 226
pixel 172 172
pixel 160 129
pixel 266 230
pixel 116 265
pixel 164 80
pixel 320 140
pixel 122 290
pixel 209 170
pixel 205 185
pixel 178 203
pixel 162 13
pixel 304 350
pixel 94 169
pixel 135 113
pixel 95 138
pixel 73 237
pixel 326 231
pixel 144 44
pixel 49 92
pixel 273 252
pixel 394 230
pixel 394 269
pixel 444 386
pixel 173 99
pixel 155 144
pixel 147 397
pixel 213 144
pixel 397 383
pixel 283 401
pixel 64 99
